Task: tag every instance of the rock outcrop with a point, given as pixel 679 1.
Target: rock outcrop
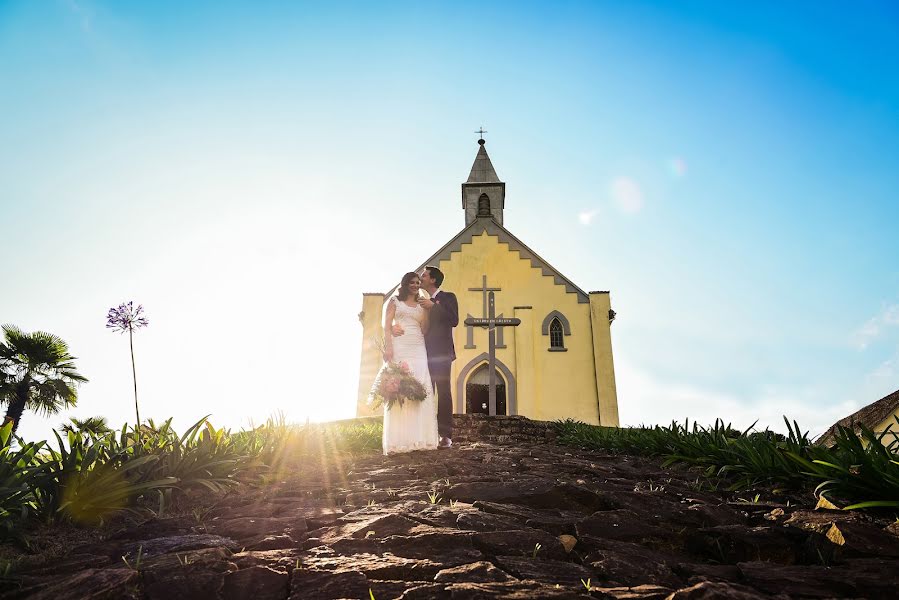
pixel 480 520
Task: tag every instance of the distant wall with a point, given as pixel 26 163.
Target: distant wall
pixel 890 422
pixel 500 429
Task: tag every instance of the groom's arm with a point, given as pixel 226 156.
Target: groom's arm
pixel 449 308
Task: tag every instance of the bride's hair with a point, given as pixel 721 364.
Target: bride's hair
pixel 404 291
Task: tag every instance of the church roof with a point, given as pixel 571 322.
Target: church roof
pixel 870 416
pixel 482 170
pixel 480 225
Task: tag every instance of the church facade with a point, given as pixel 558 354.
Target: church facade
pixel 556 364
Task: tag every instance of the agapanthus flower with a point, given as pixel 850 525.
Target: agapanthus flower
pixel 125 317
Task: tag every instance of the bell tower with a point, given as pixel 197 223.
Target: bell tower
pixel 483 195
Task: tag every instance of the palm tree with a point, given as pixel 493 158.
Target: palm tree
pixel 36 372
pixel 93 426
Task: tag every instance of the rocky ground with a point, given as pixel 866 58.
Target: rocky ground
pixel 481 521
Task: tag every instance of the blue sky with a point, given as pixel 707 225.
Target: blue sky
pixel 246 170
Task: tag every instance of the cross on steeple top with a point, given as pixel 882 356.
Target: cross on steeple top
pixel 481 133
pixel 483 181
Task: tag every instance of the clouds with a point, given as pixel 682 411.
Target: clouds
pixel 640 393
pixel 888 369
pixel 814 404
pixel 883 327
pixel 876 327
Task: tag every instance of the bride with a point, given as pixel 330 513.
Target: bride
pixel 412 426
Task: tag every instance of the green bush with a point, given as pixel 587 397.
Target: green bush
pixel 92 475
pixel 857 469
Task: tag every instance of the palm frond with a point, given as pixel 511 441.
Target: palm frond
pixel 37 372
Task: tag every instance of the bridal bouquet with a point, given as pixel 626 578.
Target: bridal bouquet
pixel 394 384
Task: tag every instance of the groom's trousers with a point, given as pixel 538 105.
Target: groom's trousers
pixel 440 378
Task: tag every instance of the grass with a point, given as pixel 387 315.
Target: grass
pixel 88 477
pixel 857 470
pixel 137 561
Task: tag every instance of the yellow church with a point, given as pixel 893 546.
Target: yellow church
pixel 556 364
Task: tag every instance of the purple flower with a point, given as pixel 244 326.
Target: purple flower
pixel 122 318
pixel 125 317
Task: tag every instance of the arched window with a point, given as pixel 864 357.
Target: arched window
pixel 484 206
pixel 556 339
pixel 556 326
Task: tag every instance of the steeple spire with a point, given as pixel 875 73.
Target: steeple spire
pixel 483 195
pixel 482 170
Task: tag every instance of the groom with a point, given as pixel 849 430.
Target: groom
pixel 443 311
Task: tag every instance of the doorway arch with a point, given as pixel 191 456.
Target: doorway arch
pixel 505 372
pixel 477 392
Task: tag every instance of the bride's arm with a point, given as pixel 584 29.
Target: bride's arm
pixel 388 330
pixel 425 322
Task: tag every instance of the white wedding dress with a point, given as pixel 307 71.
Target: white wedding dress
pixel 412 426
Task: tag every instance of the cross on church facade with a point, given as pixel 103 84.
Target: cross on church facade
pixel 484 290
pixel 500 343
pixel 492 323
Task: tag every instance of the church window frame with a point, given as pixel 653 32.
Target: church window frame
pixel 556 337
pixel 556 327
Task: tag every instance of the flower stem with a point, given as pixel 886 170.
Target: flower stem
pixel 134 374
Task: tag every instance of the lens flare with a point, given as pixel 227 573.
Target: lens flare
pixel 627 194
pixel 677 167
pixel 586 217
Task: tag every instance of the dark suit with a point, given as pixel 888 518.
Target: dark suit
pixel 444 315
